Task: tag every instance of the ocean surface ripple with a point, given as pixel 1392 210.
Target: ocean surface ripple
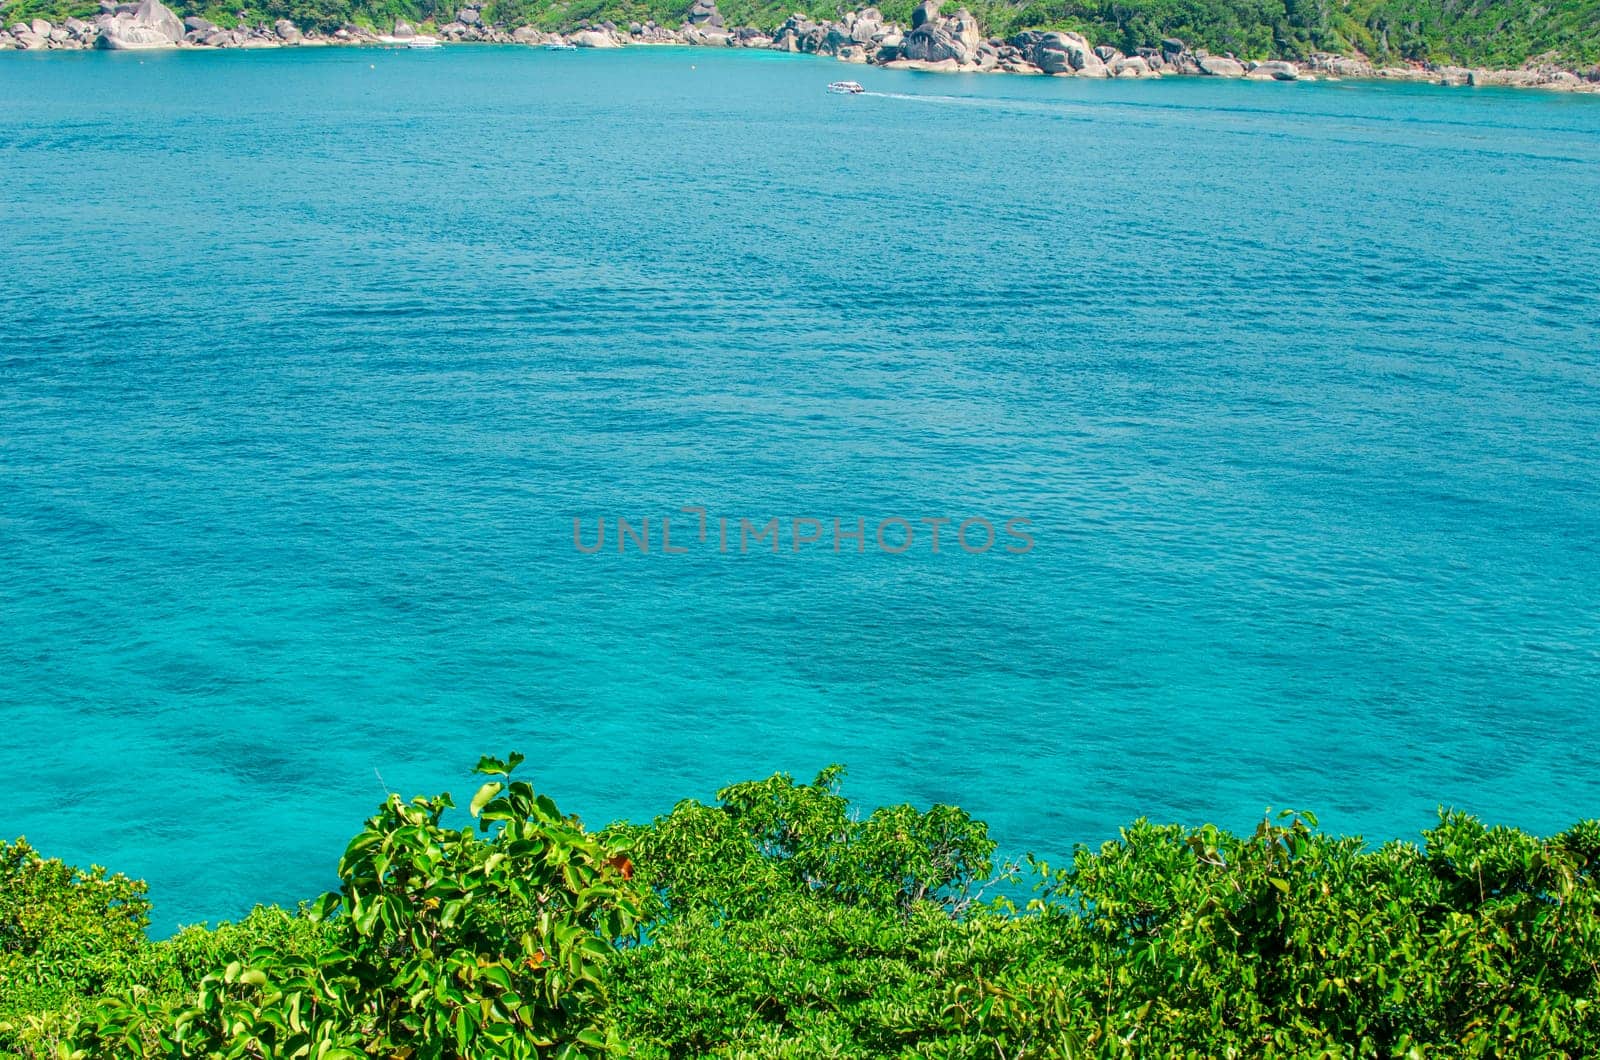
pixel 308 360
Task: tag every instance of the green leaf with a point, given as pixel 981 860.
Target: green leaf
pixel 497 767
pixel 485 793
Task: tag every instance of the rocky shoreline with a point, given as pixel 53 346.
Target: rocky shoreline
pixel 934 41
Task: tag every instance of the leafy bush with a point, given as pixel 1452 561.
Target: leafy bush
pixel 780 923
pixel 65 935
pixel 775 836
pixel 1167 941
pixel 440 942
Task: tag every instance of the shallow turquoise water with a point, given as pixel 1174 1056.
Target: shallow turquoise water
pixel 309 359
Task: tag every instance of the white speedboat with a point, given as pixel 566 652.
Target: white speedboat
pixel 560 46
pixel 846 88
pixel 422 42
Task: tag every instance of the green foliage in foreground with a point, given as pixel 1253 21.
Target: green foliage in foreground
pixel 778 922
pixel 1496 33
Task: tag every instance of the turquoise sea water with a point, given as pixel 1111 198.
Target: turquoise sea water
pixel 308 360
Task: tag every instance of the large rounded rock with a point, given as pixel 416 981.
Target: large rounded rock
pixel 156 14
pixel 1060 53
pixel 1276 70
pixel 593 38
pixel 1342 67
pixel 1052 61
pixel 129 36
pixel 287 31
pixel 704 15
pixel 964 28
pixel 929 43
pixel 1215 66
pixel 925 12
pixel 403 30
pixel 1084 59
pixel 865 27
pixel 150 25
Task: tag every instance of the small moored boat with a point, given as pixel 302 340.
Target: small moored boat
pixel 560 46
pixel 846 88
pixel 422 42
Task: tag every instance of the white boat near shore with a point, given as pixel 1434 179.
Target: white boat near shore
pixel 423 42
pixel 846 88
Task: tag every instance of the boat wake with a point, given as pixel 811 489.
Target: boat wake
pixel 917 98
pixel 989 102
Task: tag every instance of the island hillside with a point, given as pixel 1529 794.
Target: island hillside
pixel 1493 34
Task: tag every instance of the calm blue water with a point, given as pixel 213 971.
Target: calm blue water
pixel 309 359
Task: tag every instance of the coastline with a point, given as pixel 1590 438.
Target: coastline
pixel 935 43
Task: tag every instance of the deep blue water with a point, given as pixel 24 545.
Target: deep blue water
pixel 309 359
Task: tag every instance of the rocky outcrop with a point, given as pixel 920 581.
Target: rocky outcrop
pixel 150 25
pixel 1338 66
pixel 650 33
pixel 1174 57
pixel 1060 53
pixel 1276 70
pixel 937 42
pixel 799 34
pixel 403 30
pixel 1544 76
pixel 1218 66
pixel 1133 66
pixel 705 25
pixel 858 37
pixel 703 14
pixel 594 38
pixel 21 35
pixel 867 26
pixel 469 25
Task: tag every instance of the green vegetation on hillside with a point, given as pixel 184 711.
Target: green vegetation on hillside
pixel 779 923
pixel 1496 33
